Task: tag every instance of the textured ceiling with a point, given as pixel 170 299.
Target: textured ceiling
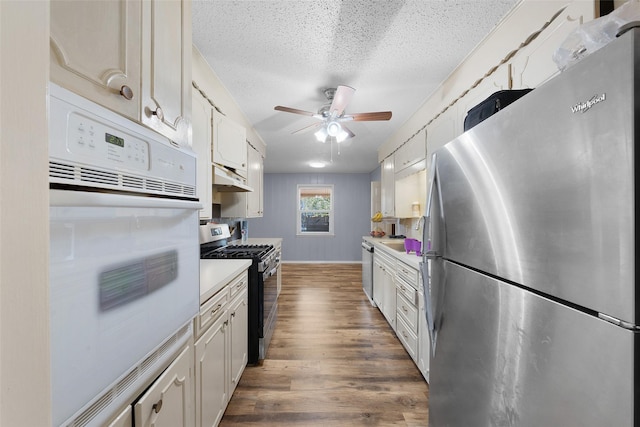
pixel 285 52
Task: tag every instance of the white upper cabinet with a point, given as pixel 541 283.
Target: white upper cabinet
pixel 131 56
pixel 388 185
pixel 410 153
pixel 95 51
pixel 201 121
pixel 247 204
pixel 229 144
pixel 534 64
pixel 166 68
pixel 255 199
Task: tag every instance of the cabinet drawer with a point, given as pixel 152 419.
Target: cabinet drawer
pixel 408 311
pixel 408 291
pixel 238 284
pixel 409 274
pixel 408 339
pixel 211 310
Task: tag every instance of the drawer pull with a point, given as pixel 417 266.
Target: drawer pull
pixel 216 309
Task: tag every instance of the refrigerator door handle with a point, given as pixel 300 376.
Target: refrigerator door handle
pixel 424 269
pixel 430 254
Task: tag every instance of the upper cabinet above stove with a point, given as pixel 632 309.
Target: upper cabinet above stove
pixel 127 57
pixel 229 144
pixel 230 153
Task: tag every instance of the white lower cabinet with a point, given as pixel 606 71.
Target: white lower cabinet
pixel 407 308
pixel 168 402
pixel 239 337
pixel 212 392
pixel 384 288
pixel 397 291
pixel 221 350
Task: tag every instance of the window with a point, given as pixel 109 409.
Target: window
pixel 315 210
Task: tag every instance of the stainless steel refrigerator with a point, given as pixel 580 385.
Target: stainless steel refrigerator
pixel 529 276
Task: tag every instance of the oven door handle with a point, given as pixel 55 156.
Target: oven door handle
pixel 93 199
pixel 273 271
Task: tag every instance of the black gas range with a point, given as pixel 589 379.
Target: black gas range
pixel 264 254
pixel 263 282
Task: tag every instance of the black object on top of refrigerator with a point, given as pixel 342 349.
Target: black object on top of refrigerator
pixel 529 272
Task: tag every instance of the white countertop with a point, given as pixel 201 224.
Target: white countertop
pixel 409 258
pixel 216 273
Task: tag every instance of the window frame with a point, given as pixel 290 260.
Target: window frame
pixel 300 211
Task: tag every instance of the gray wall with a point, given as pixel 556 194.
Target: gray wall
pixel 352 198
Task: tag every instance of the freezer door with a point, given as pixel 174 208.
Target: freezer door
pixel 542 193
pixel 507 357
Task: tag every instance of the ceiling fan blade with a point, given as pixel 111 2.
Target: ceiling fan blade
pixel 365 117
pixel 293 110
pixel 340 100
pixel 312 126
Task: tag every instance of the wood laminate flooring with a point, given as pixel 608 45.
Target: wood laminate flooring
pixel 333 360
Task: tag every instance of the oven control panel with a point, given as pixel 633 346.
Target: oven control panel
pixel 90 138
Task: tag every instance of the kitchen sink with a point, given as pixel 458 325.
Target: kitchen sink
pixel 396 245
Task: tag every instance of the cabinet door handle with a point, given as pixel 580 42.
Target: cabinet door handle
pixel 156 410
pixel 233 314
pixel 126 92
pixel 159 113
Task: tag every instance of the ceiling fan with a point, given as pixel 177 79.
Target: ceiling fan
pixel 332 116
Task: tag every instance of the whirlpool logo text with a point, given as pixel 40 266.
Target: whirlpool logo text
pixel 583 107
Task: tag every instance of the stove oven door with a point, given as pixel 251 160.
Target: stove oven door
pixel 270 308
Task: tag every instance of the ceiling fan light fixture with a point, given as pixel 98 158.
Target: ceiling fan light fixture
pixel 321 134
pixel 342 135
pixel 334 129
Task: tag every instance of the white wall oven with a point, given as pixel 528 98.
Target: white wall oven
pixel 124 257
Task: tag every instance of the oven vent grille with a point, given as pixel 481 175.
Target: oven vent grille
pixel 188 190
pixel 132 182
pixel 173 188
pixel 131 380
pixel 94 410
pixel 60 170
pixel 97 176
pixel 80 175
pixel 154 185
